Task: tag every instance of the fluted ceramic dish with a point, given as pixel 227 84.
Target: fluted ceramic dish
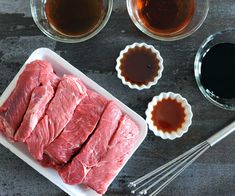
pixel 133 85
pixel 187 121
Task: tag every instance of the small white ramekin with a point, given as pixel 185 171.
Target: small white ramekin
pixel 136 86
pixel 180 131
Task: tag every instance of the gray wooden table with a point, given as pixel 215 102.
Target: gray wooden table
pixel 213 174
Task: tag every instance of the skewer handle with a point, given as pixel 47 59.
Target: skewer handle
pixel 214 139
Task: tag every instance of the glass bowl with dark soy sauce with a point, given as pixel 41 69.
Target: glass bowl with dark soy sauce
pixel 71 21
pixel 214 69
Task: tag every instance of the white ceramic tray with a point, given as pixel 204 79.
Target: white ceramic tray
pixel 63 67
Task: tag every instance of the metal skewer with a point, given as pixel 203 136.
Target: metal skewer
pixel 154 182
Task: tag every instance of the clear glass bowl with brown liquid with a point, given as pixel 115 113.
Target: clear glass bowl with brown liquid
pixel 71 21
pixel 168 20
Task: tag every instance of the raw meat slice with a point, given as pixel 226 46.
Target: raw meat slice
pixel 120 147
pixel 49 163
pixel 83 123
pixel 95 148
pixel 69 93
pixel 39 100
pixel 12 111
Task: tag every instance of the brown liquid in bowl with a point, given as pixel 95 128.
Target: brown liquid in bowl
pixel 139 66
pixel 165 16
pixel 168 115
pixel 74 17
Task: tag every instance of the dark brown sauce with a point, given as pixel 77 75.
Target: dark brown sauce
pixel 168 115
pixel 218 70
pixel 139 65
pixel 165 16
pixel 74 17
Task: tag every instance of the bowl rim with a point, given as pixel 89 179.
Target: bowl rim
pixel 188 116
pixel 197 69
pixel 72 39
pixel 133 85
pixel 170 38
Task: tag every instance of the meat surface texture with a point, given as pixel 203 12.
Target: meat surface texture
pixel 120 148
pixel 69 94
pixel 68 127
pixel 12 111
pixel 38 103
pixel 95 149
pixel 82 124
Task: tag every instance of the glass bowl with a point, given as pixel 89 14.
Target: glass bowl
pixel 226 36
pixel 201 11
pixel 40 18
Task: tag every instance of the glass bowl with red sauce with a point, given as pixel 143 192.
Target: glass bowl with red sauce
pixel 169 115
pixel 71 21
pixel 168 20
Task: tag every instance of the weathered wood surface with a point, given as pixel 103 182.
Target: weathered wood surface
pixel 213 174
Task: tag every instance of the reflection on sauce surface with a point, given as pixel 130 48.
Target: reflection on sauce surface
pixel 168 115
pixel 218 70
pixel 165 16
pixel 74 17
pixel 139 65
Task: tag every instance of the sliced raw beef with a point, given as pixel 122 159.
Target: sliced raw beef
pixel 120 147
pixel 83 123
pixel 13 110
pixel 39 100
pixel 69 93
pixel 95 148
pixel 49 163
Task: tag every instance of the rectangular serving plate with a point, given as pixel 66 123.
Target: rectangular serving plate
pixel 62 67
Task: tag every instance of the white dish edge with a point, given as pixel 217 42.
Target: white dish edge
pixel 188 119
pixel 135 86
pixel 61 66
